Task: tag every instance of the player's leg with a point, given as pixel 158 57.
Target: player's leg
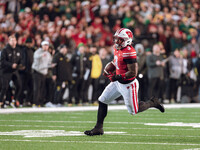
pixel 98 129
pixel 109 94
pixel 153 102
pixel 130 95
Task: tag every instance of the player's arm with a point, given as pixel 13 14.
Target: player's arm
pixel 131 62
pixel 132 70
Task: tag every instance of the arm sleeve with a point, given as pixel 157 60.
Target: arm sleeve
pixel 130 61
pixel 54 69
pixel 4 60
pixel 73 62
pixel 23 57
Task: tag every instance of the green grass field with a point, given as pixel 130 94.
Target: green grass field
pixel 64 130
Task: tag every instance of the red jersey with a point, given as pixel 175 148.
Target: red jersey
pixel 122 57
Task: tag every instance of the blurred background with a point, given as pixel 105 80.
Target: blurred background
pixel 169 29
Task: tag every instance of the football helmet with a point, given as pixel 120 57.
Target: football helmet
pixel 122 38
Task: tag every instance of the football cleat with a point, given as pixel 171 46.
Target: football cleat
pixel 94 131
pixel 157 104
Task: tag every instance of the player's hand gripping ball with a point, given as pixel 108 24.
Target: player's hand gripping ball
pixel 109 68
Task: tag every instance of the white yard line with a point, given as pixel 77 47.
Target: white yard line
pixel 82 122
pixel 100 142
pixel 86 108
pixel 50 133
pixel 112 128
pixel 192 149
pixel 157 135
pixel 55 133
pixel 70 121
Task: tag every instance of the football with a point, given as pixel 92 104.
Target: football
pixel 110 67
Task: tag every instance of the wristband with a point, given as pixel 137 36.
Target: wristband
pixel 123 76
pixel 118 77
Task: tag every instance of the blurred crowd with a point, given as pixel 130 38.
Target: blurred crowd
pixel 166 38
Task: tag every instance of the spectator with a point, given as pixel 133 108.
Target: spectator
pixel 128 21
pixel 86 12
pixel 142 71
pixel 112 16
pixel 13 6
pixel 193 47
pixel 155 71
pixel 175 69
pixel 184 92
pixel 103 13
pixel 176 41
pixel 103 81
pixel 162 38
pixel 96 69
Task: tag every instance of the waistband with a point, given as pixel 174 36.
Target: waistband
pixel 34 71
pixel 126 82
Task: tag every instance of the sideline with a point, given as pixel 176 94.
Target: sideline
pixel 86 108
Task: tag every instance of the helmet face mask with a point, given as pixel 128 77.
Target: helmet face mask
pixel 119 42
pixel 122 38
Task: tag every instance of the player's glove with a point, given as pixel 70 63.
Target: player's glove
pixel 116 77
pixel 113 77
pixel 106 75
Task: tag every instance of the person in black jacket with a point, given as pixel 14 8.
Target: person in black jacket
pixel 62 73
pixel 11 62
pixel 80 73
pixel 26 74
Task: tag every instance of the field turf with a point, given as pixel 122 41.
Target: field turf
pixel 176 129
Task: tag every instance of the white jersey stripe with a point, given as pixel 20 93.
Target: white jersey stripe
pixel 130 53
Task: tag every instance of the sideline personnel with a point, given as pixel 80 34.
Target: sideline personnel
pixel 41 62
pixel 62 73
pixel 11 62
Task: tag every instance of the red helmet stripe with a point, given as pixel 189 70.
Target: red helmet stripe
pixel 120 30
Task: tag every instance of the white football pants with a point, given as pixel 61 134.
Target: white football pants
pixel 128 91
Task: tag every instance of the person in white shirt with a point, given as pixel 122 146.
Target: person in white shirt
pixel 41 62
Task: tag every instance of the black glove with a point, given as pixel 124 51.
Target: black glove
pixel 116 77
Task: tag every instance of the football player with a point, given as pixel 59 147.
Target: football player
pixel 123 82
